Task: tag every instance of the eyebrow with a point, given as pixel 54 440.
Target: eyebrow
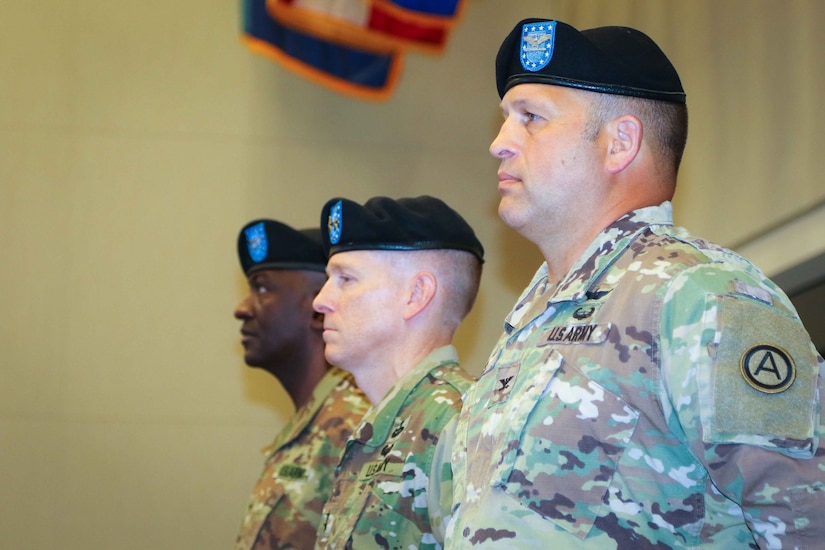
pixel 516 104
pixel 256 278
pixel 336 267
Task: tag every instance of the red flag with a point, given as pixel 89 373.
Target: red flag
pixel 355 47
pixel 352 71
pixel 378 25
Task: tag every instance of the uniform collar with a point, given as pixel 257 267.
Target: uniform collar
pixel 305 415
pixel 383 418
pixel 577 285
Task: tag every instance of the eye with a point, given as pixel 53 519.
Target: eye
pixel 258 288
pixel 530 117
pixel 343 279
pixel 258 285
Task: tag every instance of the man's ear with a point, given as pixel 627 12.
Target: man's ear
pixel 625 135
pixel 422 290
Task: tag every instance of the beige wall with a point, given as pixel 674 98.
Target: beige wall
pixel 136 139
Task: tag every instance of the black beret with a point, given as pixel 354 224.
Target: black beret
pixel 268 244
pixel 610 60
pixel 382 223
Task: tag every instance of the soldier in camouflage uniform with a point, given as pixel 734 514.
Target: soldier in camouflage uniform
pixel 650 389
pixel 281 334
pixel 402 276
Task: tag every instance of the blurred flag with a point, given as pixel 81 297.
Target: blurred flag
pixel 369 34
pixel 351 70
pixel 375 24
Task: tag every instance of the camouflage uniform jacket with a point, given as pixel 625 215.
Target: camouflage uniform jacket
pixel 393 485
pixel 663 395
pixel 286 503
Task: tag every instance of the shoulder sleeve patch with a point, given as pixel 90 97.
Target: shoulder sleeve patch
pixel 767 368
pixel 764 378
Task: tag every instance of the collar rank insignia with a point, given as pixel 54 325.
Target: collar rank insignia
pixel 505 379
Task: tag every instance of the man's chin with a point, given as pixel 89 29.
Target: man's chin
pixel 253 362
pixel 334 358
pixel 331 358
pixel 510 213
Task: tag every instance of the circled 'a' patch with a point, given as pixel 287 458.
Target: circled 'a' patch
pixel 768 368
pixel 758 342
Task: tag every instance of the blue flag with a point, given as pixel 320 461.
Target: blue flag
pixel 348 69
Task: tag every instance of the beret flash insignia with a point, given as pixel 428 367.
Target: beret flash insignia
pixel 256 241
pixel 537 41
pixel 334 223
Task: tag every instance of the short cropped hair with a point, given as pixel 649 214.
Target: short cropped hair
pixel 459 277
pixel 460 273
pixel 665 124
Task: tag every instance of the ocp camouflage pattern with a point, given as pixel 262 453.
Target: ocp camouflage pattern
pixel 393 486
pixel 285 506
pixel 663 395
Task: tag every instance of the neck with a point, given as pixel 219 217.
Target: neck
pixel 300 376
pixel 375 383
pixel 377 377
pixel 561 256
pixel 561 252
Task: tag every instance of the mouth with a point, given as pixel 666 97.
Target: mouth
pixel 246 336
pixel 506 179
